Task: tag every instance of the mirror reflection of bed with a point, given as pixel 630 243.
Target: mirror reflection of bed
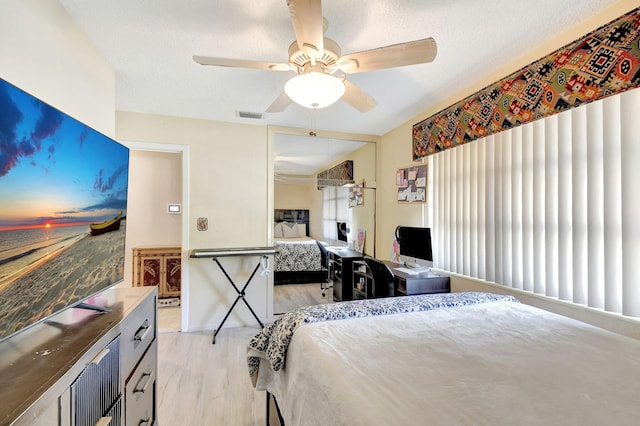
pixel 305 214
pixel 300 270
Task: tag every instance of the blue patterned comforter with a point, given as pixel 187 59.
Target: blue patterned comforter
pixel 273 341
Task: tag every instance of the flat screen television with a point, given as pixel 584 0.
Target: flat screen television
pixel 63 188
pixel 415 246
pixel 343 231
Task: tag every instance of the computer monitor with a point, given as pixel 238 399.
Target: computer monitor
pixel 415 246
pixel 342 231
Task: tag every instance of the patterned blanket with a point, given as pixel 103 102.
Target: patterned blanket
pixel 297 255
pixel 273 341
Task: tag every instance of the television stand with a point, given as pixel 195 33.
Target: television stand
pixel 76 366
pixel 90 307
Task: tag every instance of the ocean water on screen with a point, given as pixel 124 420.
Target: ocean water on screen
pixel 23 248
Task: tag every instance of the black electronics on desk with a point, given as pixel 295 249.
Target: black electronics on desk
pixel 415 246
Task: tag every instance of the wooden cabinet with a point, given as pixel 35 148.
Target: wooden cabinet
pixel 160 267
pixel 82 367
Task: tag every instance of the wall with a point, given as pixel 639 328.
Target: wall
pixel 390 212
pixel 293 192
pixel 229 186
pixel 364 161
pixel 299 192
pixel 155 180
pixel 46 54
pixel 363 217
pixel 316 209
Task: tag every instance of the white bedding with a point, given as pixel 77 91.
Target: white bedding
pixel 493 363
pixel 299 240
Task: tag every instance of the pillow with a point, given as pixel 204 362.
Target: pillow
pixel 290 230
pixel 302 229
pixel 277 230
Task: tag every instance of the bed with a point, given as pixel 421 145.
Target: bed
pixel 298 258
pixel 445 359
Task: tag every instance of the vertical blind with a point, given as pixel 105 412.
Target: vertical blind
pixel 550 207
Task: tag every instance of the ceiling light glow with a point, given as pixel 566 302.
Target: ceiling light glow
pixel 314 89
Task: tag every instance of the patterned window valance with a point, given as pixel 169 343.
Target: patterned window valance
pixel 339 175
pixel 604 62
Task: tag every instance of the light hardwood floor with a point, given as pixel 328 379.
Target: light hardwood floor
pixel 204 384
pixel 169 319
pixel 291 296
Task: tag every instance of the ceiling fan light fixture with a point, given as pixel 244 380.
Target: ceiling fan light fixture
pixel 314 89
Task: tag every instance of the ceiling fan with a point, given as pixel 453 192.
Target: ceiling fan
pixel 316 59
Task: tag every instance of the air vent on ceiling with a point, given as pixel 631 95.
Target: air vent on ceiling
pixel 249 114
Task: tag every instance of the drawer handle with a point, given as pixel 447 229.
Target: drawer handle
pixel 100 357
pixel 144 422
pixel 142 331
pixel 104 421
pixel 141 387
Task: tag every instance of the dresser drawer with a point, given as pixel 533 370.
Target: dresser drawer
pixel 140 391
pixel 138 331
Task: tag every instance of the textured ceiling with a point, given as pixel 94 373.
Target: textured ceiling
pixel 150 44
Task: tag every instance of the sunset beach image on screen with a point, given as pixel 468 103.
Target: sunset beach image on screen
pixel 63 188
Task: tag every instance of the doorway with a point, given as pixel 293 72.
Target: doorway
pixel 155 232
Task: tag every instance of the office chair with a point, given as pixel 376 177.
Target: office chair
pixel 383 279
pixel 324 262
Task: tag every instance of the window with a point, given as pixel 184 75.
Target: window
pixel 335 208
pixel 551 207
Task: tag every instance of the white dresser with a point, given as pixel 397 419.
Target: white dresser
pixel 81 367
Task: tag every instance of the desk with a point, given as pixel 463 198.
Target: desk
pixel 341 271
pixel 424 282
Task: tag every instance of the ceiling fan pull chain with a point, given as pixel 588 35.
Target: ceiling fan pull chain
pixel 312 132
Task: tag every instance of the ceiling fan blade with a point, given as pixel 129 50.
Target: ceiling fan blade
pixel 357 98
pixel 396 55
pixel 240 63
pixel 306 17
pixel 280 104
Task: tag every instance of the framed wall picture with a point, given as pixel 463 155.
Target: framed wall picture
pixel 358 244
pixel 412 184
pixel 356 194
